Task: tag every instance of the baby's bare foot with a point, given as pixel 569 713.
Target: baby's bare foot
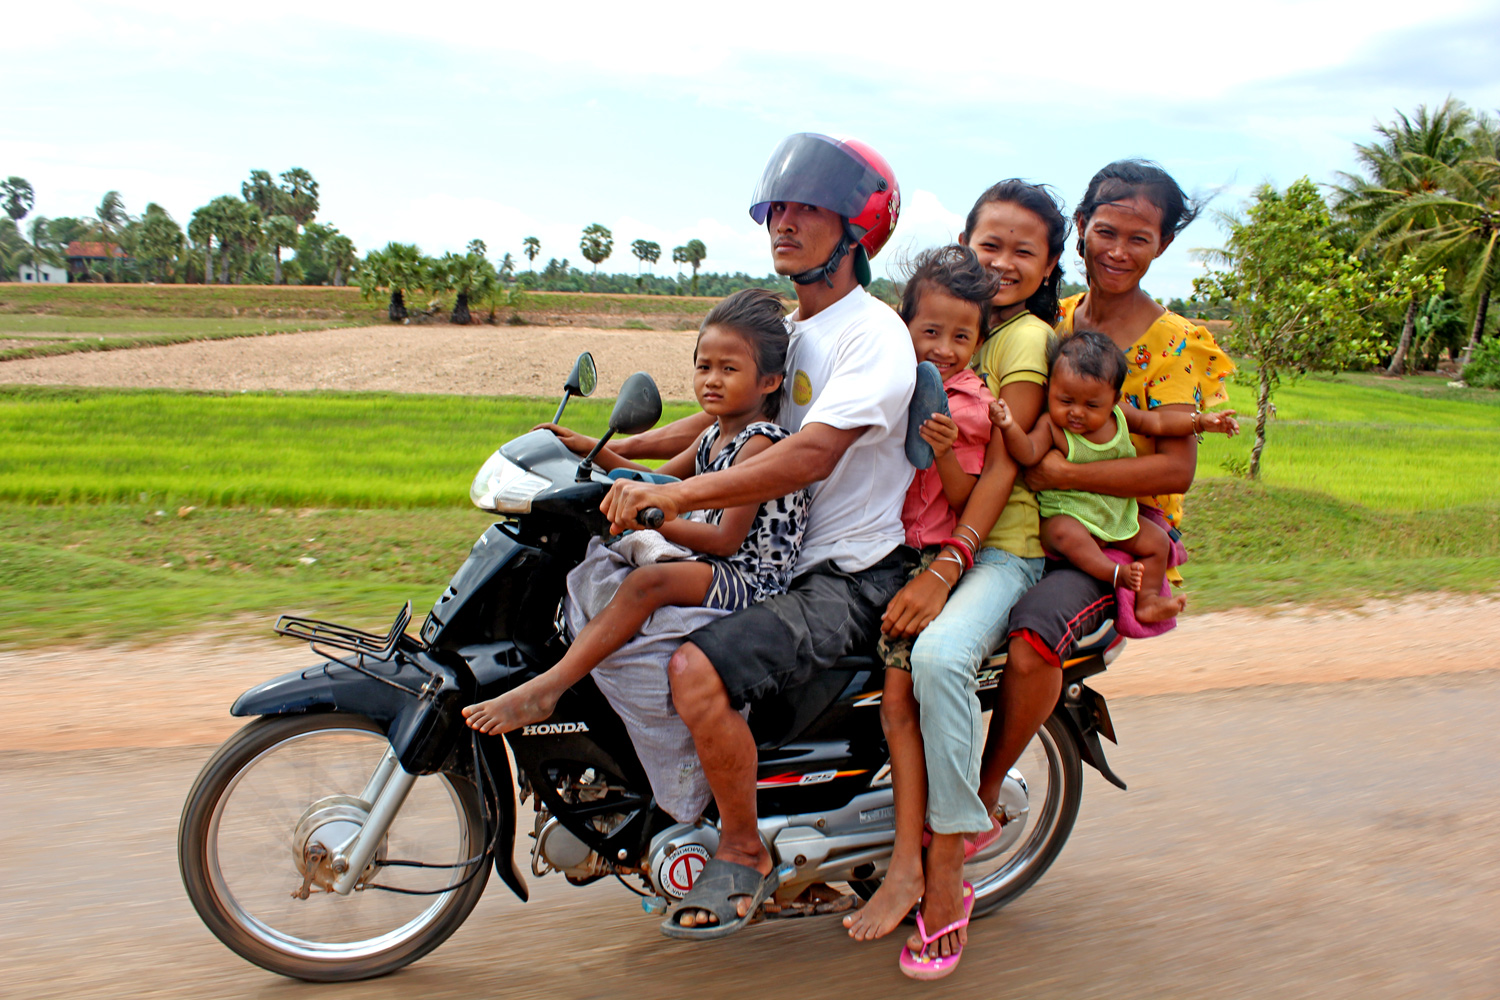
pixel 1153 608
pixel 887 908
pixel 1130 576
pixel 525 705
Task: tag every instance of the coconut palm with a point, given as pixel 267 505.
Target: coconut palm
pixel 1457 225
pixel 202 228
pixel 18 197
pixel 1404 162
pixel 532 248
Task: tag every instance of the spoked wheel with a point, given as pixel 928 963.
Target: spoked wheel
pixel 1039 803
pixel 251 839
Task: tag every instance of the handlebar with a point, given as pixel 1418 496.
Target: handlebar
pixel 650 517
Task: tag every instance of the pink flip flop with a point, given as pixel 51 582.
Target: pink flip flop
pixel 920 964
pixel 973 845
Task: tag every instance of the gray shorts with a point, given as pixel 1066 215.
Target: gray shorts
pixel 784 640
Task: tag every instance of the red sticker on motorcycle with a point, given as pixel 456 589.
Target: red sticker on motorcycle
pixel 680 869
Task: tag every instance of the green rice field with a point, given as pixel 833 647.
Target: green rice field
pixel 131 513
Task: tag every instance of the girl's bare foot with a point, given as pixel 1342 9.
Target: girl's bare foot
pixel 529 703
pixel 1152 608
pixel 897 894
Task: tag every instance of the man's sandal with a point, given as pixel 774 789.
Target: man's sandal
pixel 716 890
pixel 922 964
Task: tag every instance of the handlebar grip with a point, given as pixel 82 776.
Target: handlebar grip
pixel 650 517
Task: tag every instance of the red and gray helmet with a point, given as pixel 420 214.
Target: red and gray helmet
pixel 843 176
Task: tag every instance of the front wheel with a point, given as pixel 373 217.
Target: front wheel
pixel 243 849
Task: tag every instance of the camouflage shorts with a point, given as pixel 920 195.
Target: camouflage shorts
pixel 896 653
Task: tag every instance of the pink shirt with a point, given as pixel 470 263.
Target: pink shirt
pixel 926 515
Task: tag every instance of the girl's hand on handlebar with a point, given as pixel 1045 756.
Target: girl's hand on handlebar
pixel 578 444
pixel 626 498
pixel 914 606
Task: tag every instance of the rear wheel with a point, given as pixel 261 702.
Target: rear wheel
pixel 1040 802
pixel 242 848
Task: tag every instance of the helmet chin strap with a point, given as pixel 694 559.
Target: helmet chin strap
pixel 832 264
pixel 826 271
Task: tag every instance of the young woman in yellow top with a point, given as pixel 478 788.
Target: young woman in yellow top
pixel 1129 215
pixel 1016 229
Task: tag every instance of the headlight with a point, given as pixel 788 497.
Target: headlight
pixel 504 487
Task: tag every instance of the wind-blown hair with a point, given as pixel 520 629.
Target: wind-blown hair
pixel 1041 201
pixel 954 270
pixel 1090 354
pixel 758 317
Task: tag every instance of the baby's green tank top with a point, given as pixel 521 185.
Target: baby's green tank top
pixel 1109 519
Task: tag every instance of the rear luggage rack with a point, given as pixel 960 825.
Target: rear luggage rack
pixel 320 633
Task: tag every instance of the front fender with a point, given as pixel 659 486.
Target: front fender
pixel 423 731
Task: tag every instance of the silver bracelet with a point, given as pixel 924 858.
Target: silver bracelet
pixel 978 542
pixel 935 573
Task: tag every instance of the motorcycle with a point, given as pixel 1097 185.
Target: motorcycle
pixel 351 827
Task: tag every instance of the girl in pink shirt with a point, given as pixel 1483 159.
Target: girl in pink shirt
pixel 946 307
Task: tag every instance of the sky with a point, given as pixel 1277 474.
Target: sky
pixel 441 122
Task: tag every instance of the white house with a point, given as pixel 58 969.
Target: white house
pixel 49 274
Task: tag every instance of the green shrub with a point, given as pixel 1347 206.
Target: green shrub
pixel 1483 369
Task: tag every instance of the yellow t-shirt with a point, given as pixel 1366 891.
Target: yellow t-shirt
pixel 1016 351
pixel 1173 362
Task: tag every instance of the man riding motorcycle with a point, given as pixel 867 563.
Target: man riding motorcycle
pixel 829 206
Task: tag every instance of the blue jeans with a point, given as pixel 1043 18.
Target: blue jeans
pixel 944 671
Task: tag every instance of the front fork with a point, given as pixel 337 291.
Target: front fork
pixel 384 795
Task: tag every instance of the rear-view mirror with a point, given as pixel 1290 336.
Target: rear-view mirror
pixel 583 377
pixel 638 407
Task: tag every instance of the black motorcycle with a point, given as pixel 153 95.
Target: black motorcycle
pixel 350 828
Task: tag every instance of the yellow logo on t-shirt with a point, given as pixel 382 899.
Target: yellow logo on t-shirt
pixel 801 388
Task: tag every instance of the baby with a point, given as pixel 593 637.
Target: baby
pixel 1086 421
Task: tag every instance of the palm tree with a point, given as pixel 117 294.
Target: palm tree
pixel 159 240
pixel 299 194
pixel 281 231
pixel 597 243
pixel 112 219
pixel 1457 225
pixel 532 248
pixel 202 228
pixel 261 191
pixel 507 269
pixel 693 253
pixel 469 275
pixel 19 198
pixel 1403 163
pixel 398 268
pixel 477 246
pixel 341 256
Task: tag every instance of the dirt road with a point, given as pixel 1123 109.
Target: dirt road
pixel 469 360
pixel 1311 812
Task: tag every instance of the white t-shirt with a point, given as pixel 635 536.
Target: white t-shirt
pixel 852 365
